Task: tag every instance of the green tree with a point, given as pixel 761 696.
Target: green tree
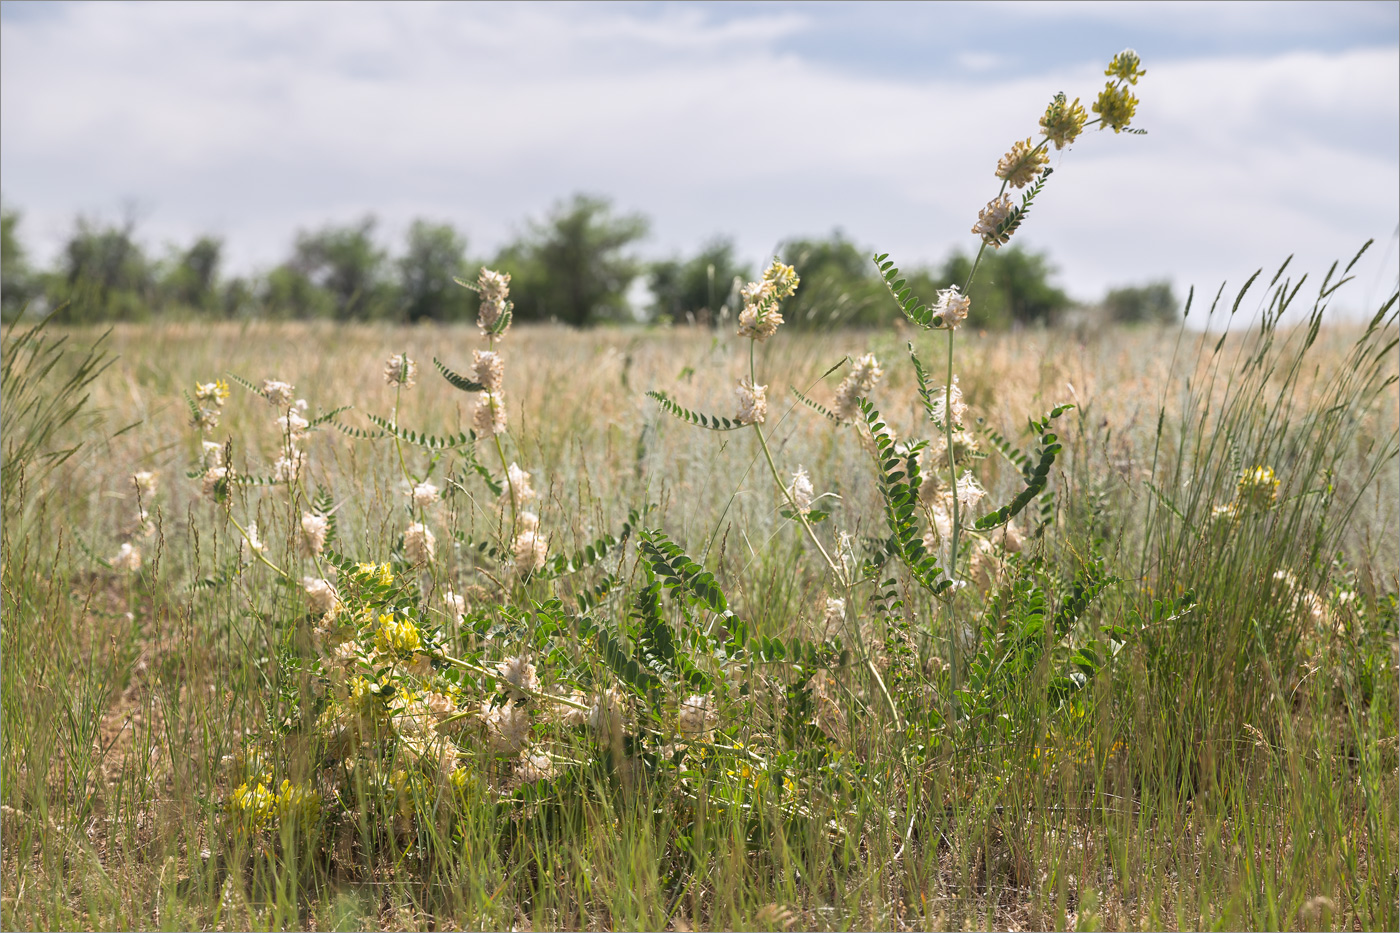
pixel 290 292
pixel 436 253
pixel 572 267
pixel 103 273
pixel 192 278
pixel 337 271
pixel 700 288
pixel 839 285
pixel 1012 287
pixel 16 278
pixel 1153 302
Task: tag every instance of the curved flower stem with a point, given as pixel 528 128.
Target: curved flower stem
pixel 952 538
pixel 398 445
pixel 256 552
pixel 837 569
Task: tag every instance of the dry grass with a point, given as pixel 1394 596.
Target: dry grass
pixel 122 696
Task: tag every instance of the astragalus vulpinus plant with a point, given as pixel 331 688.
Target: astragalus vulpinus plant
pixel 1002 673
pixel 455 670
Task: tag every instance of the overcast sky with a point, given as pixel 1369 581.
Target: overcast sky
pixel 1273 128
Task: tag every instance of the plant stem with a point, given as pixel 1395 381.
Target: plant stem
pixel 837 569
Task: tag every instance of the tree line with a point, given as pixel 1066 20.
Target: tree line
pixel 576 266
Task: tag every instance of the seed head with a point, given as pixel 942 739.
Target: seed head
pixel 865 372
pixel 696 718
pixel 321 596
pixel 519 489
pixel 489 419
pixel 488 369
pixel 530 549
pixel 507 727
pixel 801 491
pixel 520 678
pixel 424 494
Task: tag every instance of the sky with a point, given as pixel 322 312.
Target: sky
pixel 1273 128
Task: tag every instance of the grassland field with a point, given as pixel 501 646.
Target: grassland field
pixel 1230 766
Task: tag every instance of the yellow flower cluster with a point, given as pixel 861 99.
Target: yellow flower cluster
pixel 1255 491
pixel 251 808
pixel 211 397
pixel 1063 121
pixel 1125 67
pixel 1115 106
pixel 1257 488
pixel 1022 164
pixel 376 574
pixel 397 635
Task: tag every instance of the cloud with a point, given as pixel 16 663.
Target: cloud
pixel 253 121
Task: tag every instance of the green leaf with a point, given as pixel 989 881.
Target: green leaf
pixel 710 422
pixel 1035 479
pixel 909 304
pixel 457 380
pixel 430 441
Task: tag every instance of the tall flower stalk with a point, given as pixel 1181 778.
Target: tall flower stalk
pixel 1024 166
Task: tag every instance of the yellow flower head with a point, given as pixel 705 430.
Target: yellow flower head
pixel 1022 163
pixel 1116 106
pixel 1257 488
pixel 216 391
pixel 251 808
pixel 783 279
pixel 397 635
pixel 1125 66
pixel 376 573
pixel 1063 121
pixel 298 805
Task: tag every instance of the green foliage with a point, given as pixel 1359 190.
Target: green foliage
pixel 899 488
pixel 191 278
pixel 1013 286
pixel 17 285
pixel 337 270
pixel 699 419
pixel 46 385
pixel 1154 303
pixel 704 288
pixel 838 288
pixel 456 379
pixel 1035 468
pixel 103 273
pixel 573 267
pixel 436 254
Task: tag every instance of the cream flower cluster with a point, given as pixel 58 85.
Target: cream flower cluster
pixel 494 288
pixel 209 398
pixel 400 371
pixel 760 317
pixel 753 402
pixel 865 372
pixel 952 307
pixel 945 398
pixel 990 220
pixel 801 491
